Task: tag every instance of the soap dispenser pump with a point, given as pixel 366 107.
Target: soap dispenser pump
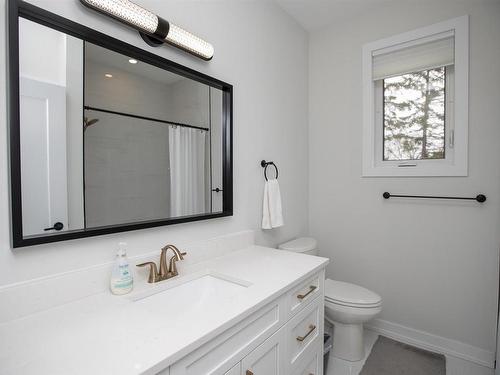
pixel 121 281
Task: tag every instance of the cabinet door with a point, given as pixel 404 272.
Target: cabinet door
pixel 266 359
pixel 312 363
pixel 236 370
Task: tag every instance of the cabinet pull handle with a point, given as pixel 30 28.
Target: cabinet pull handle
pixel 312 288
pixel 248 372
pixel 312 327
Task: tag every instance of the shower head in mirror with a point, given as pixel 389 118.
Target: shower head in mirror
pixel 87 123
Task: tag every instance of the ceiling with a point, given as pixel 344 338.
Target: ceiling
pixel 112 60
pixel 316 14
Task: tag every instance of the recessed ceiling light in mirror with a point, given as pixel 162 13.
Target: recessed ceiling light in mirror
pixel 132 61
pixel 107 75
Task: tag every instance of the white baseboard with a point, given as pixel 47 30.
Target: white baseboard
pixel 434 343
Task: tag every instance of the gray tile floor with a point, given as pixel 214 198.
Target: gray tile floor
pixel 454 366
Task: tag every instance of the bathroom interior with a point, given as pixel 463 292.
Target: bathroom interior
pixel 249 187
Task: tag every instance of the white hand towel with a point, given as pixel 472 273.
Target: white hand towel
pixel 272 216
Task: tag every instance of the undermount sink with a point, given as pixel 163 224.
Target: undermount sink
pixel 191 292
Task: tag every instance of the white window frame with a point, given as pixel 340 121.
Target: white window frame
pixel 457 108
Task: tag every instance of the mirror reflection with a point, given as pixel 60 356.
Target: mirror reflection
pixel 107 139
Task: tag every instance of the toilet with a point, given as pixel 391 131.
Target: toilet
pixel 347 307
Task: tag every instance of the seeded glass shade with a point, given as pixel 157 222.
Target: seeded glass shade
pixel 152 25
pixel 185 40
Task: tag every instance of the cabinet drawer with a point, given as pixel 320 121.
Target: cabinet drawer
pixel 236 370
pixel 305 292
pixel 268 358
pixel 219 355
pixel 312 363
pixel 164 372
pixel 304 331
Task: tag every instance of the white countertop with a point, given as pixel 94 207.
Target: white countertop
pixel 106 334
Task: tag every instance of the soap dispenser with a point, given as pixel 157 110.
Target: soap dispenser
pixel 121 281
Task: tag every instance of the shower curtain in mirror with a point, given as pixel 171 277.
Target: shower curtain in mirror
pixel 187 171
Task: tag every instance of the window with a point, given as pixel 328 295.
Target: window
pixel 415 118
pixel 411 114
pixel 414 115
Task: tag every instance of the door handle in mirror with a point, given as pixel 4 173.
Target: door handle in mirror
pixel 217 190
pixel 57 226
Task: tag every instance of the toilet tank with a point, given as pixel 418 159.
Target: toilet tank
pixel 305 245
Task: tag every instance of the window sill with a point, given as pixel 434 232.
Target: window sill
pixel 418 171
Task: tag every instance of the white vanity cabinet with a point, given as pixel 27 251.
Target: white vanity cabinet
pixel 284 337
pixel 255 310
pixel 267 358
pixel 235 370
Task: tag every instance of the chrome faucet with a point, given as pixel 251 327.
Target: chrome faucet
pixel 167 270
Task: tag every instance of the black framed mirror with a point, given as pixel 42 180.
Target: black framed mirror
pixel 106 137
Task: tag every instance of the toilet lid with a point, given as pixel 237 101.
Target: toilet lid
pixel 299 245
pixel 350 294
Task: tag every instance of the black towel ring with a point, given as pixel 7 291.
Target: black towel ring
pixel 264 164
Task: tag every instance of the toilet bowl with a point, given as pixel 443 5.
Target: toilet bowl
pixel 347 307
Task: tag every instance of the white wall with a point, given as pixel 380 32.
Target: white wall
pixel 269 74
pixel 74 128
pixel 50 48
pixel 435 264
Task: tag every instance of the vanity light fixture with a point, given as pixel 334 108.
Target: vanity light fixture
pixel 153 29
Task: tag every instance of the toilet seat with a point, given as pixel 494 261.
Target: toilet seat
pixel 354 305
pixel 350 295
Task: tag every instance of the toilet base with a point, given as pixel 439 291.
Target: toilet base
pixel 348 341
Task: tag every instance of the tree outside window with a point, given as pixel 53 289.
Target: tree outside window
pixel 414 115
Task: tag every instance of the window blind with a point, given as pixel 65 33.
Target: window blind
pixel 422 54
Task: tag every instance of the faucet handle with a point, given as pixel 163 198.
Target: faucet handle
pixel 153 271
pixel 173 267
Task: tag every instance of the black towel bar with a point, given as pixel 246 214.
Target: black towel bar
pixel 481 198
